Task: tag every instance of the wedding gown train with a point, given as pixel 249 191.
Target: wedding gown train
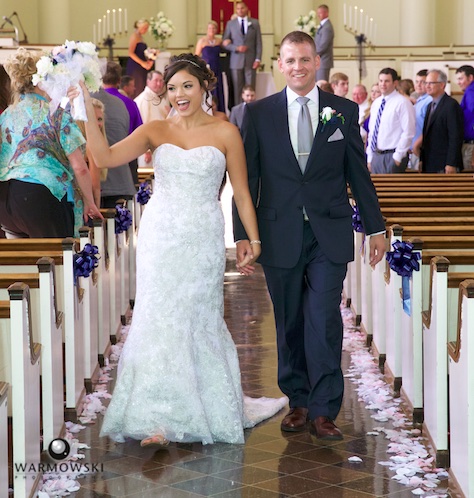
pixel 179 373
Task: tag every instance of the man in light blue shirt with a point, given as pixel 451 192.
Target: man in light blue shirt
pixel 421 107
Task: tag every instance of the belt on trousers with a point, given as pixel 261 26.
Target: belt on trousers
pixel 469 141
pixel 389 151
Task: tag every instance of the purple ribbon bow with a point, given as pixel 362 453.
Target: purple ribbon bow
pixel 402 260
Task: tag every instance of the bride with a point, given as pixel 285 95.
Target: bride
pixel 178 376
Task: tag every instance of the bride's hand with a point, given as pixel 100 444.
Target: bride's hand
pixel 247 254
pixel 74 92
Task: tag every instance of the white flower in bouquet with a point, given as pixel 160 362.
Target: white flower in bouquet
pixel 65 66
pixel 307 23
pixel 151 53
pixel 161 28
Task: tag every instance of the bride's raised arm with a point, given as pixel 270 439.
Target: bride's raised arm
pixel 120 153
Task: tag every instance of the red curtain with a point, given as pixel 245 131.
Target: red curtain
pixel 223 9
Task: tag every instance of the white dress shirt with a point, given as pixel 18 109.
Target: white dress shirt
pixel 397 125
pixel 294 111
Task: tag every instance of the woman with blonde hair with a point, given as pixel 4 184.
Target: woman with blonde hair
pixel 42 168
pixel 138 64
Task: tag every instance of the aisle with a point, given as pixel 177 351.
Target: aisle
pixel 271 464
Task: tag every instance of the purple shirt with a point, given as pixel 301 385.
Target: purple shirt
pixel 132 108
pixel 467 105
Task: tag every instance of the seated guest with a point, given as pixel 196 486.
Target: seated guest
pixel 237 112
pixel 127 86
pixel 41 162
pixel 340 84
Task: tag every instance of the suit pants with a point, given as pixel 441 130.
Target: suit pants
pixel 306 301
pixel 241 77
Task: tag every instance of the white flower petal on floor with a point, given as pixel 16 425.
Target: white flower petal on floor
pixel 355 459
pixel 410 461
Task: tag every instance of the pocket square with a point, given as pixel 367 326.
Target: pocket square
pixel 337 135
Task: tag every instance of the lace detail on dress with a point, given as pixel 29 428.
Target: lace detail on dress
pixel 179 372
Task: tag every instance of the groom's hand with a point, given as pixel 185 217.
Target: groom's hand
pixel 244 255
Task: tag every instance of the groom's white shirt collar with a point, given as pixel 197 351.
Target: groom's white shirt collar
pixel 313 95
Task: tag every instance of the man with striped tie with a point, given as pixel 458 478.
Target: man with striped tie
pixel 391 127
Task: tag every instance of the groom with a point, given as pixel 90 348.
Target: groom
pixel 304 219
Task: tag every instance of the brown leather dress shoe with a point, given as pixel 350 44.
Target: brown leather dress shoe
pixel 325 428
pixel 296 420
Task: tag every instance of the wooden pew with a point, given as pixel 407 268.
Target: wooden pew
pixel 441 327
pixel 47 321
pixel 115 253
pixel 23 374
pixel 104 279
pixel 69 302
pixel 90 318
pixel 3 440
pixel 461 392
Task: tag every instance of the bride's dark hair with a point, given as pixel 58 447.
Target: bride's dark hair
pixel 195 66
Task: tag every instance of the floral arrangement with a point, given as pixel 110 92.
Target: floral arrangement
pixel 161 28
pixel 308 24
pixel 66 66
pixel 329 115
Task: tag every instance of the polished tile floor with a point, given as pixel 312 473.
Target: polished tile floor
pixel 271 463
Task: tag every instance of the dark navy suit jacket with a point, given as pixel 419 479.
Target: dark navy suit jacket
pixel 280 190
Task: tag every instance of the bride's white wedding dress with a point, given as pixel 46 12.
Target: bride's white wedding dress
pixel 179 374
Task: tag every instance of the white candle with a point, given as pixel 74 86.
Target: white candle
pixel 113 22
pixel 366 32
pixel 350 17
pixel 120 20
pixel 104 27
pixel 371 27
pixel 355 18
pixel 94 34
pixel 375 33
pixel 361 30
pixel 126 20
pixel 345 20
pixel 99 30
pixel 108 22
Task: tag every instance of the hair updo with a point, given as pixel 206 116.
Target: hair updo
pixel 21 66
pixel 195 66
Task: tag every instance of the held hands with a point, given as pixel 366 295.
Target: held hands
pixel 242 48
pixel 247 254
pixel 147 64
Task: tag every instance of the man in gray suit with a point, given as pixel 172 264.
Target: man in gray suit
pixel 324 40
pixel 243 39
pixel 237 112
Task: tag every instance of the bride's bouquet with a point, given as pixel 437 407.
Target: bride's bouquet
pixel 66 66
pixel 151 53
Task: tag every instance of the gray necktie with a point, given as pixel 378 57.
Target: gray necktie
pixel 305 133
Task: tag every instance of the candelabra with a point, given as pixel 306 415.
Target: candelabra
pixel 109 43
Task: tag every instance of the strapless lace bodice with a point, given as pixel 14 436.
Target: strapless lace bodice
pixel 179 373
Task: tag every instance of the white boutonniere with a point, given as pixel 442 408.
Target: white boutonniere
pixel 329 115
pixel 249 24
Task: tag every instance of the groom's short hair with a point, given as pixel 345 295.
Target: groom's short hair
pixel 299 37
